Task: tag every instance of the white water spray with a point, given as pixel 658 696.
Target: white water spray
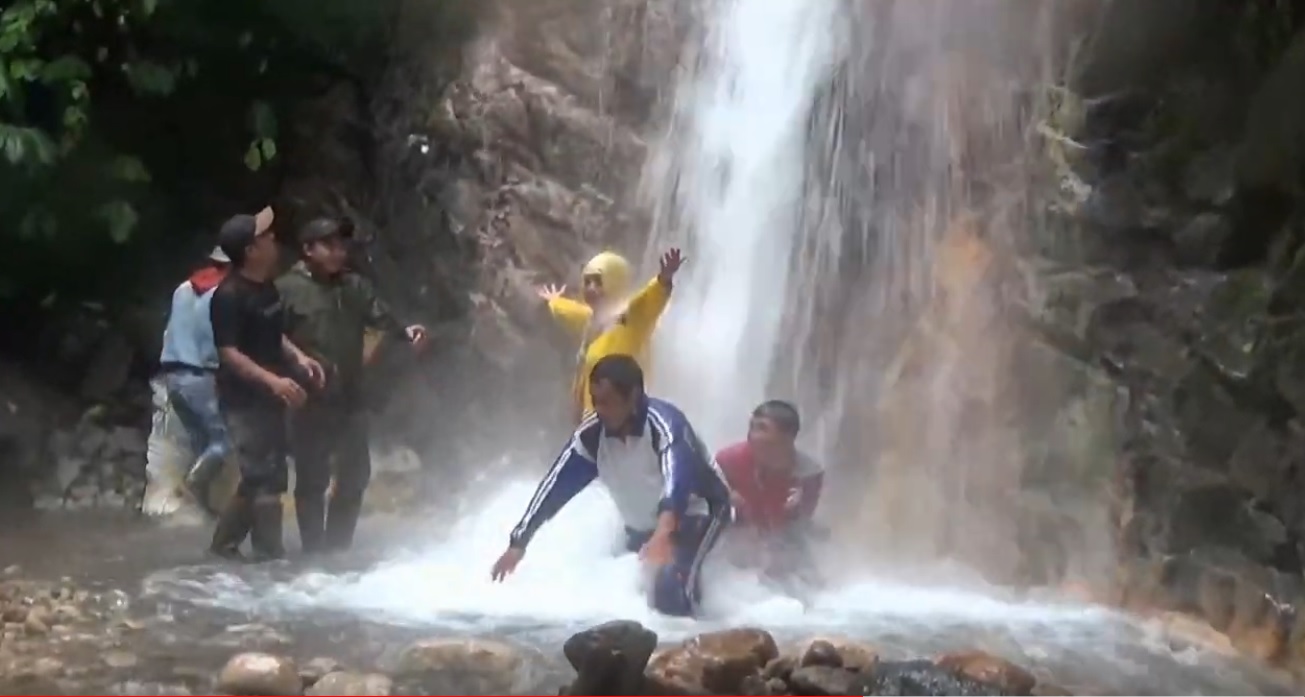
pixel 730 177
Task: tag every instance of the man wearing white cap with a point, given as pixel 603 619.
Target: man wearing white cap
pixel 188 366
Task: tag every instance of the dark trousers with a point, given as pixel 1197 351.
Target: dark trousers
pixel 677 587
pixel 258 440
pixel 329 439
pixel 257 435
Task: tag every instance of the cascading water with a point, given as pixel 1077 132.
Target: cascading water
pixel 852 181
pixel 731 176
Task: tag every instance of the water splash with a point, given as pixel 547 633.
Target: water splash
pixel 571 579
pixel 574 575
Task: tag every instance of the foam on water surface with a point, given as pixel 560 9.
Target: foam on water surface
pixel 572 578
pixel 575 573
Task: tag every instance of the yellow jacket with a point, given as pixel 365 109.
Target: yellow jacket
pixel 628 334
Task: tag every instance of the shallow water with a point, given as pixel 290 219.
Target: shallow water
pixel 363 609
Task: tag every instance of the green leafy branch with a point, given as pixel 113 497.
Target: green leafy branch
pixel 50 52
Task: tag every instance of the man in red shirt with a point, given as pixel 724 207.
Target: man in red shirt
pixel 774 487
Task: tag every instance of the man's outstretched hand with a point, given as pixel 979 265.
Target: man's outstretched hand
pixel 672 260
pixel 507 563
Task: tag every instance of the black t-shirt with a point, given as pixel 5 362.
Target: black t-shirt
pixel 249 317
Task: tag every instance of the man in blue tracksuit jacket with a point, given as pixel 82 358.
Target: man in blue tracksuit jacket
pixel 673 500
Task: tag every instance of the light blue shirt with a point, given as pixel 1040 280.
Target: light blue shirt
pixel 188 338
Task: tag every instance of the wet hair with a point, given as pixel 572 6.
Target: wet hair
pixel 620 371
pixel 784 414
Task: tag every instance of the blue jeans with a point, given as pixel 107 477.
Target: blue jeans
pixel 677 587
pixel 194 398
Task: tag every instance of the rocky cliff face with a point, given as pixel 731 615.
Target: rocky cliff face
pixel 1172 279
pixel 533 156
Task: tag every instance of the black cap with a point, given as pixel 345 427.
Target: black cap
pixel 240 231
pixel 237 234
pixel 322 228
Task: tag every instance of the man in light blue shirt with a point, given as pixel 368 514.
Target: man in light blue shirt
pixel 188 364
pixel 674 502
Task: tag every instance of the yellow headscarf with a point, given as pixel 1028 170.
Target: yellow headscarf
pixel 615 272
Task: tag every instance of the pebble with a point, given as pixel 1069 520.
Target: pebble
pixel 316 668
pixel 37 621
pixel 119 659
pixel 341 683
pixel 260 674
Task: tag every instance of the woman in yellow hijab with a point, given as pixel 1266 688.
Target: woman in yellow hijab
pixel 609 321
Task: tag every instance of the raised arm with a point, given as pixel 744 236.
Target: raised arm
pixel 571 472
pixel 571 314
pixel 647 305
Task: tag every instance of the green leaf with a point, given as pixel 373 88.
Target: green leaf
pixel 37 222
pixel 253 158
pixel 74 118
pixel 65 69
pixel 21 144
pixel 262 119
pixel 147 77
pixel 130 169
pixel 24 70
pixel 121 218
pixel 267 147
pixel 149 6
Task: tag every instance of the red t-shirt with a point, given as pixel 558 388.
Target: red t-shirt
pixel 765 496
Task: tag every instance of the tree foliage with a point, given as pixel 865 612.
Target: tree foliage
pixel 125 123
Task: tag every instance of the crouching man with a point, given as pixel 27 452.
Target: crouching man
pixel 774 489
pixel 674 503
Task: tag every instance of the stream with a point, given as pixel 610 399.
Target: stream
pixel 184 615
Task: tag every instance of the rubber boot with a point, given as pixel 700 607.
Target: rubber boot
pixel 310 512
pixel 233 525
pixel 200 480
pixel 341 521
pixel 266 531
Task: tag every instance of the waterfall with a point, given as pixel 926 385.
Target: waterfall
pixel 856 185
pixel 731 179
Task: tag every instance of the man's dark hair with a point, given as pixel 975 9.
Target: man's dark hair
pixel 784 414
pixel 620 371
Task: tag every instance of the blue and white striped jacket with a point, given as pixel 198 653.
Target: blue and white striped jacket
pixel 661 465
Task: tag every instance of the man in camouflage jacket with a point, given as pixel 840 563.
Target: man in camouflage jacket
pixel 328 310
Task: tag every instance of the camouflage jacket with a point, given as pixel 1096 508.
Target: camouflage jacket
pixel 326 318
